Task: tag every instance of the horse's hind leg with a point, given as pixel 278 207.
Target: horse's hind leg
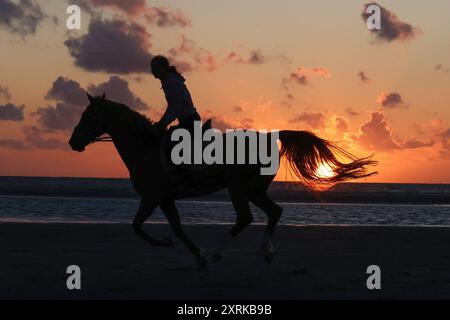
pixel 273 212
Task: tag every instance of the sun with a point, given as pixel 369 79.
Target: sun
pixel 325 171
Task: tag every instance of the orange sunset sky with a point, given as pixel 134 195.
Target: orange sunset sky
pixel 303 65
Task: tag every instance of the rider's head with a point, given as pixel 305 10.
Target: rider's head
pixel 161 66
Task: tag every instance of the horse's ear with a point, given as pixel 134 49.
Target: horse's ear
pixel 103 96
pixel 91 99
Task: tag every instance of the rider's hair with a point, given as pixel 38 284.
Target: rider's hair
pixel 163 61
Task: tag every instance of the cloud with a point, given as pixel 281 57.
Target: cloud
pixel 200 58
pixel 131 7
pixel 118 89
pixel 313 119
pixel 351 112
pixel 444 138
pixel 164 17
pixel 34 139
pixel 363 77
pixel 13 144
pixel 11 112
pixel 112 46
pixel 71 101
pixel 302 75
pixel 377 134
pixel 160 16
pixel 247 123
pixel 67 90
pixel 391 27
pixel 4 92
pixel 238 109
pixel 63 116
pixel 440 67
pixel 255 57
pixel 20 18
pixel 390 100
pixel 341 124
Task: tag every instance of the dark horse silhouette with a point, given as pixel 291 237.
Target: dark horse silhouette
pixel 139 146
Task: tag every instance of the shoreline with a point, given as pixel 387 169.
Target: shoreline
pixel 227 224
pixel 310 262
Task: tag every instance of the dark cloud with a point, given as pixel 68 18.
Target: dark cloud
pixel 160 16
pixel 299 79
pixel 72 101
pixel 313 119
pixel 390 100
pixel 377 134
pixel 131 7
pixel 62 116
pixel 255 57
pixel 20 18
pixel 34 136
pixel 164 17
pixel 440 67
pixel 238 109
pixel 113 46
pixel 13 144
pixel 11 112
pixel 34 139
pixel 69 91
pixel 302 75
pixel 4 92
pixel 118 90
pixel 200 58
pixel 444 138
pixel 351 112
pixel 391 27
pixel 363 77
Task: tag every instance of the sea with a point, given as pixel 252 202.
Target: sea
pixel 92 200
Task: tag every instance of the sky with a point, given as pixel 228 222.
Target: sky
pixel 298 65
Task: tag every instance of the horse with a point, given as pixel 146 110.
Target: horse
pixel 138 142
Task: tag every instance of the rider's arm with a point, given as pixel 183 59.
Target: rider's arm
pixel 174 97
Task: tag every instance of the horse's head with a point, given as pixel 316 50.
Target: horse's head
pixel 91 126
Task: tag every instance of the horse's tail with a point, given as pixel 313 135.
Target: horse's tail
pixel 306 153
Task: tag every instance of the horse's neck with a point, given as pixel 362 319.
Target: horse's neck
pixel 136 155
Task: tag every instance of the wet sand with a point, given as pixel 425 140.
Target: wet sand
pixel 310 263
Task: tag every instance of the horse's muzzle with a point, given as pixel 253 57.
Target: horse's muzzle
pixel 75 147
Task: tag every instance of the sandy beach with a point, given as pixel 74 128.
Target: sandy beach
pixel 310 263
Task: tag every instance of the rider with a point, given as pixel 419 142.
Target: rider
pixel 179 101
pixel 179 106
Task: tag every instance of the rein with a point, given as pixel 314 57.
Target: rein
pixel 102 139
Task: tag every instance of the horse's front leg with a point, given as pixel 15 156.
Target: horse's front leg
pixel 171 213
pixel 146 208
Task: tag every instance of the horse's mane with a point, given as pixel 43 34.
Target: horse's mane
pixel 131 118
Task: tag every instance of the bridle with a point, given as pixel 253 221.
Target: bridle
pixel 102 139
